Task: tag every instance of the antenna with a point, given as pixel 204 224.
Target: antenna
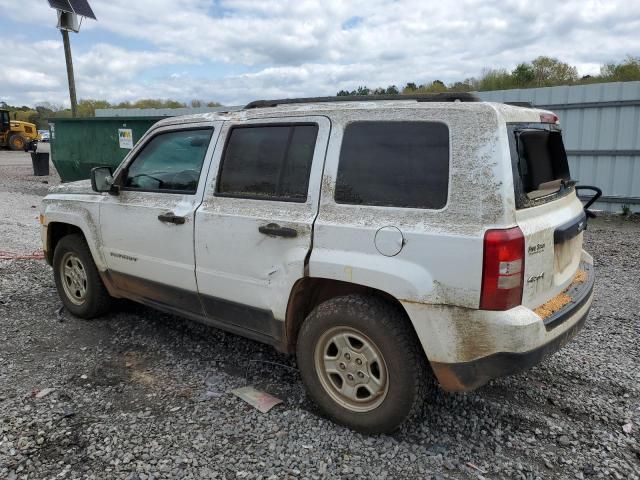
pixel 68 12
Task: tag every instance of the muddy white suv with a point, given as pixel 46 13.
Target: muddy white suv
pixel 385 241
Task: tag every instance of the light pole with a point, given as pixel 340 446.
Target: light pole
pixel 68 12
pixel 70 76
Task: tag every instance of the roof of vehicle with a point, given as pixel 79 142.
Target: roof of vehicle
pixel 314 105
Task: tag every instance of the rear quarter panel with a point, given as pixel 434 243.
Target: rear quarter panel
pixel 441 261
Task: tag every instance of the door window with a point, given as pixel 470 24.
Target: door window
pixel 396 164
pixel 268 162
pixel 170 162
pixel 4 121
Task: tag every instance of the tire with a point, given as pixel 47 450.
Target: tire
pixel 17 142
pixel 356 328
pixel 81 289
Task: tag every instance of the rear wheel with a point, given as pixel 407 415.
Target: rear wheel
pixel 362 364
pixel 77 279
pixel 17 142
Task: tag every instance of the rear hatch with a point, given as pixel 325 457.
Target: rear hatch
pixel 550 216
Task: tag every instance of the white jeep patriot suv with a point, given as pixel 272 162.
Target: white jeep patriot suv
pixel 385 241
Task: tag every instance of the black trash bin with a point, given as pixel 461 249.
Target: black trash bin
pixel 40 163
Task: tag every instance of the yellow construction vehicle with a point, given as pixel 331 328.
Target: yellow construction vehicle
pixel 15 134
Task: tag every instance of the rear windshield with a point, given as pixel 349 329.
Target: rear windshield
pixel 541 169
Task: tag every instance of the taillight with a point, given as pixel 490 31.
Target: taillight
pixel 549 118
pixel 502 269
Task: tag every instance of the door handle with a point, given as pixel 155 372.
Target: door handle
pixel 275 230
pixel 169 217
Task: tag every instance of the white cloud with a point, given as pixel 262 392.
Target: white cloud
pixel 304 47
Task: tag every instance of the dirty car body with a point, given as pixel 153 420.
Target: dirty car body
pixel 487 266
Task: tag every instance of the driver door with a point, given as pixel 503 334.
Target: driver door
pixel 147 230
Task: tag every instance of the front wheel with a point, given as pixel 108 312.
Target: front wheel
pixel 17 142
pixel 77 279
pixel 362 364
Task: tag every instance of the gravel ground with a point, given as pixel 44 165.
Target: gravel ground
pixel 20 194
pixel 141 395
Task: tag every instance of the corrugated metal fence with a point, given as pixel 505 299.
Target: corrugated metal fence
pixel 601 129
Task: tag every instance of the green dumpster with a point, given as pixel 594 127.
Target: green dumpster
pixel 79 144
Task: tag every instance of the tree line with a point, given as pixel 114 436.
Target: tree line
pixel 540 72
pixel 87 108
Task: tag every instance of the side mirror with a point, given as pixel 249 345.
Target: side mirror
pixel 102 179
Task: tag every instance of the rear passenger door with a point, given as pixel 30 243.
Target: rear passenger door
pixel 254 228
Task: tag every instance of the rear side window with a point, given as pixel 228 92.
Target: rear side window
pixel 396 164
pixel 268 162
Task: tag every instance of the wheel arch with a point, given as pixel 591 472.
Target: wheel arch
pixel 63 215
pixel 309 292
pixel 55 232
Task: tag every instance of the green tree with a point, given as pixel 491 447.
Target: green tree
pixel 87 107
pixel 409 88
pixel 465 86
pixel 626 71
pixel 498 79
pixel 151 103
pixel 523 75
pixel 437 86
pixel 551 71
pixel 392 90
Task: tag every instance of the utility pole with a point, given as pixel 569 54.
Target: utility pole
pixel 68 12
pixel 70 77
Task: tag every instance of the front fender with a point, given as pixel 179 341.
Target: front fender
pixel 79 211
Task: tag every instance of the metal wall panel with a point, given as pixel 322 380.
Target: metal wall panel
pixel 601 128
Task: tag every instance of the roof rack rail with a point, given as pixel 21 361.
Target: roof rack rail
pixel 421 97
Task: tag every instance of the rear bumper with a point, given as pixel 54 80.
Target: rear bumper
pixel 466 376
pixel 468 348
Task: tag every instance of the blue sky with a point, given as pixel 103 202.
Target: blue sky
pixel 234 51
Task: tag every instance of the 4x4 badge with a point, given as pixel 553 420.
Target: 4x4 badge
pixel 535 278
